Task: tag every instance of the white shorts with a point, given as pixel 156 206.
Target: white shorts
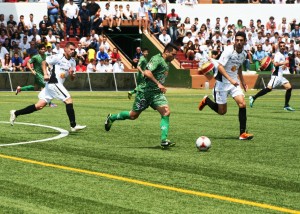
pixel 51 91
pixel 277 81
pixel 222 90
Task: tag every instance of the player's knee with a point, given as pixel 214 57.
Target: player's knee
pixel 242 105
pixel 133 115
pixel 268 90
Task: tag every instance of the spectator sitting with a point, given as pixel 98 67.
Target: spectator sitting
pixel 45 21
pixel 49 50
pixel 81 53
pixel 189 51
pixel 154 29
pixel 108 65
pixel 128 13
pixel 118 66
pixel 101 54
pixel 107 15
pixel 51 38
pixel 3 50
pixel 258 56
pixel 164 38
pixel 16 38
pixel 101 67
pixel 17 50
pixel 181 32
pixel 11 21
pixel 24 44
pixel 80 67
pixel 57 33
pixel 142 17
pixel 91 67
pixel 136 57
pixel 85 41
pixel 57 49
pixel 3 36
pixel 116 15
pixel 17 62
pixel 6 63
pixel 43 31
pixel 114 56
pixel 91 53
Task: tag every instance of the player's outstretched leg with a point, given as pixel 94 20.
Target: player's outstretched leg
pixel 124 115
pixel 202 103
pixel 251 101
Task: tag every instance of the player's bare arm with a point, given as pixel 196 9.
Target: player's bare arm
pixel 30 68
pixel 46 75
pixel 149 75
pixel 72 74
pixel 140 70
pixel 222 70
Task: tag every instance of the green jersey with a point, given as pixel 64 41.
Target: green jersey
pixel 140 77
pixel 37 60
pixel 159 68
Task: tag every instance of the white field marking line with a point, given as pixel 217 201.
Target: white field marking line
pixel 63 133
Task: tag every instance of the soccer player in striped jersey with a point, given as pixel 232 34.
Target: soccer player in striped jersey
pixel 229 81
pixel 62 66
pixel 277 78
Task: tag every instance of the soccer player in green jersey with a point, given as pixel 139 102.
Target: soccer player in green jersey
pixel 37 71
pixel 152 94
pixel 140 75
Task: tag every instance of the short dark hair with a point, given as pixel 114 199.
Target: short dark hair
pixel 170 46
pixel 40 46
pixel 241 33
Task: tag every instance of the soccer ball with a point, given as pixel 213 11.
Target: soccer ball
pixel 203 143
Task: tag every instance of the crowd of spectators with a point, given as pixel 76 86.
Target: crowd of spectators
pixel 19 38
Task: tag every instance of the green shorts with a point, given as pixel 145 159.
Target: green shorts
pixel 150 98
pixel 39 80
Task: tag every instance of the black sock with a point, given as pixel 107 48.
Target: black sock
pixel 71 114
pixel 288 94
pixel 242 119
pixel 26 110
pixel 212 105
pixel 261 93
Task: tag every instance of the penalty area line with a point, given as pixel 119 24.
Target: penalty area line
pixel 158 186
pixel 63 133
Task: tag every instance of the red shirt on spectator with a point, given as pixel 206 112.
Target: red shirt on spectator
pixel 80 68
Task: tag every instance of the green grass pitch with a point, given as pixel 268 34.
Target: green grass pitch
pixel 257 176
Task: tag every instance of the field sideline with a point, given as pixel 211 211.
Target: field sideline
pixel 125 171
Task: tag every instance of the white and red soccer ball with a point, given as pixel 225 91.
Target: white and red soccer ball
pixel 203 143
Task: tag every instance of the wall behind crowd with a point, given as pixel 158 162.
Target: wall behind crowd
pixel 17 9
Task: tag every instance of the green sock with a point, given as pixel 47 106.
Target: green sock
pixel 133 91
pixel 164 126
pixel 124 115
pixel 27 88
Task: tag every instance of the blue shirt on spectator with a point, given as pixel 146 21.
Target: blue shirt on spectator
pixel 102 55
pixel 17 61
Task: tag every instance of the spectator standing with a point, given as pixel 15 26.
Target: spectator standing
pixel 84 20
pixel 97 22
pixel 53 9
pixel 173 19
pixel 93 8
pixel 162 10
pixel 71 11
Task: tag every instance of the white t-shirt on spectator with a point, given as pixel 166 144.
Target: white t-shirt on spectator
pixel 142 11
pixel 23 46
pixel 100 68
pixel 109 68
pixel 71 10
pixel 58 51
pixel 89 68
pixel 3 51
pixel 118 67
